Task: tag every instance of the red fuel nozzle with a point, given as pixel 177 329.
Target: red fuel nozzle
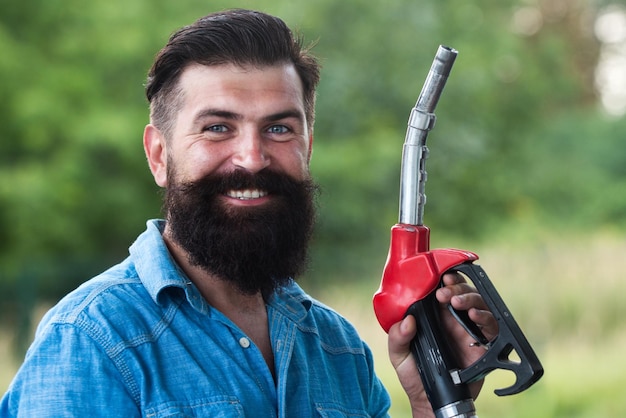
pixel 411 272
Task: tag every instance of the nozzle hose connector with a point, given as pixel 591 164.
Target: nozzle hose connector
pixel 461 409
pixel 414 153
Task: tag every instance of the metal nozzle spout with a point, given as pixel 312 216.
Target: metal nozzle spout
pixel 444 59
pixel 415 152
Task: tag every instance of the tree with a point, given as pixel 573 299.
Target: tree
pixel 75 190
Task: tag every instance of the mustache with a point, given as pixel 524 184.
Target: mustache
pixel 267 180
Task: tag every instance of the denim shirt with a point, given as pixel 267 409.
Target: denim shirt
pixel 139 340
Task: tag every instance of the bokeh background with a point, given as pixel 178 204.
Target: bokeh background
pixel 527 166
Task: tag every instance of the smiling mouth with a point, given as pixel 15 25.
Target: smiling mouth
pixel 247 194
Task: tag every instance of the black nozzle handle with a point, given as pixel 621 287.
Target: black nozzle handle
pixel 510 338
pixel 434 357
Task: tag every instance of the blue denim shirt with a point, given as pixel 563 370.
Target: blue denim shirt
pixel 139 340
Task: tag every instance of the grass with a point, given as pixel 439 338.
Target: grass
pixel 566 294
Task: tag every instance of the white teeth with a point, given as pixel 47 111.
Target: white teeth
pixel 246 194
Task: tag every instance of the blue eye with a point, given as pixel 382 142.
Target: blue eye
pixel 278 129
pixel 216 128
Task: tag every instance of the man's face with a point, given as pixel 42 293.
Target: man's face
pixel 239 118
pixel 239 198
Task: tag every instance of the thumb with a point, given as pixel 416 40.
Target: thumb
pixel 400 336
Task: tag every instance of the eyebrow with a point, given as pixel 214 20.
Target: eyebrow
pixel 293 113
pixel 226 114
pixel 217 112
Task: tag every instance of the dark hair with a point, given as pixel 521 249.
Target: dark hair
pixel 237 36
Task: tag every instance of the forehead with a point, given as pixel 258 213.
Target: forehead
pixel 230 84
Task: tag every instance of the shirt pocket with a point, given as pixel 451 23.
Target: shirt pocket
pixel 217 407
pixel 330 410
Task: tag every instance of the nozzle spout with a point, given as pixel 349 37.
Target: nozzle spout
pixel 415 152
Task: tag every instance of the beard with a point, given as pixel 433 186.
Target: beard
pixel 256 248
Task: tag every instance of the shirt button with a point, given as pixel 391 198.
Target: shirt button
pixel 244 342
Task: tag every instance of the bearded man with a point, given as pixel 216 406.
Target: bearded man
pixel 204 317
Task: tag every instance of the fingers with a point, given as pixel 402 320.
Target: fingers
pixel 455 284
pixel 464 297
pixel 459 293
pixel 467 301
pixel 453 278
pixel 485 321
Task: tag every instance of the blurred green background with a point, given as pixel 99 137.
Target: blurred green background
pixel 527 166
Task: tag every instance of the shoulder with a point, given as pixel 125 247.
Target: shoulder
pixel 108 303
pixel 73 364
pixel 129 292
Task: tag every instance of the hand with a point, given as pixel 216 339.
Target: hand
pixel 461 296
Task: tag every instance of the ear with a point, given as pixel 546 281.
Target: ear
pixel 156 151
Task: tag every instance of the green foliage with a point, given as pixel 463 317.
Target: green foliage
pixel 519 138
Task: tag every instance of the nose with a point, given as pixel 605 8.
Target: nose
pixel 251 153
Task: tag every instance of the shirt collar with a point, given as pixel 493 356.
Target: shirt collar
pixel 154 264
pixel 157 271
pixel 292 302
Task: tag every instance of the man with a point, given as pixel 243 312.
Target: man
pixel 203 318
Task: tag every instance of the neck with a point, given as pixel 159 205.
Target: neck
pixel 248 312
pixel 218 292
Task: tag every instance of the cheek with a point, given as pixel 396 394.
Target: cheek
pixel 301 171
pixel 198 161
pixel 294 161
